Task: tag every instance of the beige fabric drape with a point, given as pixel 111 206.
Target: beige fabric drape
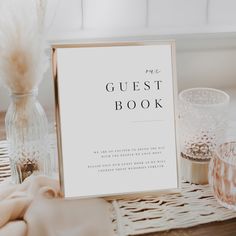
pixel 35 209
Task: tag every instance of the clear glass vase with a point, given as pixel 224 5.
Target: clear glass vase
pixel 27 136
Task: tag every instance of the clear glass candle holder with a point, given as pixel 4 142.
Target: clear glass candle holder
pixel 203 122
pixel 222 175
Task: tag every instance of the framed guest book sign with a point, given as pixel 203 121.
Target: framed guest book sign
pixel 115 110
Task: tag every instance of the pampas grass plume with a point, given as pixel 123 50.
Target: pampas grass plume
pixel 22 45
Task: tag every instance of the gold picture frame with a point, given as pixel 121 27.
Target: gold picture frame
pixel 54 49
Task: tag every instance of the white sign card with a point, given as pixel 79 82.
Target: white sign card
pixel 115 109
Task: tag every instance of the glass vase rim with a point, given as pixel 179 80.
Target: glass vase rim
pixel 226 102
pixel 223 159
pixel 25 94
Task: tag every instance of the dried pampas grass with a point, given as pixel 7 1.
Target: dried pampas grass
pixel 22 44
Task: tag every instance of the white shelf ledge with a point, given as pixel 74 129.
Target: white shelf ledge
pixel 204 39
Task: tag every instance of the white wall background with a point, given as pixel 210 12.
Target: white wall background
pixel 204 30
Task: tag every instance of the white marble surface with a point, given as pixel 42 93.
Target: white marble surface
pixel 63 16
pixel 222 12
pixel 113 14
pixel 181 13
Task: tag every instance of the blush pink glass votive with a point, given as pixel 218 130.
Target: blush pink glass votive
pixel 222 175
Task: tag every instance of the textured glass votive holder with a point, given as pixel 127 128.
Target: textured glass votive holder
pixel 203 122
pixel 222 175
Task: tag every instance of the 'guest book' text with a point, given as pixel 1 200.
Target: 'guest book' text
pixel 135 86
